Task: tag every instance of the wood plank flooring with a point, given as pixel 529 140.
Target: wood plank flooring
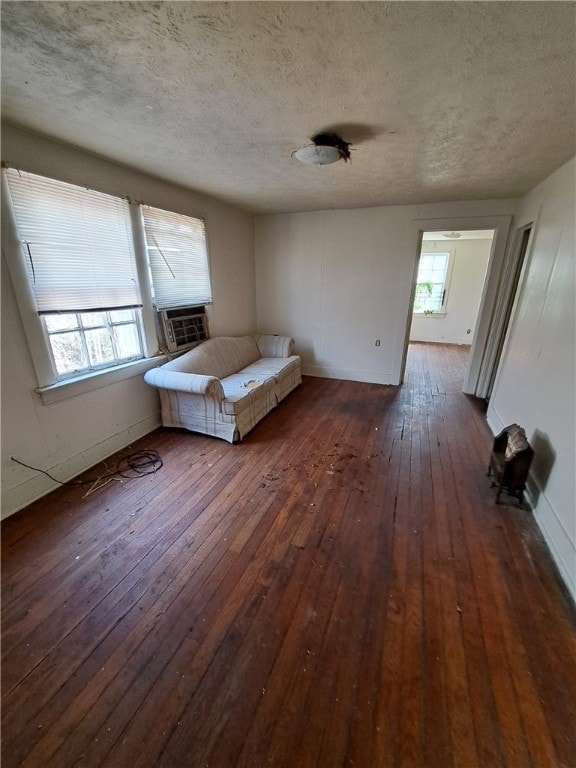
pixel 338 590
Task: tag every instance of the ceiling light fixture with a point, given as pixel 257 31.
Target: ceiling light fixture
pixel 327 148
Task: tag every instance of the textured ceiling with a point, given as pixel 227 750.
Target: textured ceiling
pixel 441 100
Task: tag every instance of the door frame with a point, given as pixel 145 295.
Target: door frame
pixel 482 339
pixel 520 247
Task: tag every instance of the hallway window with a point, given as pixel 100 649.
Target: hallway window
pixel 432 283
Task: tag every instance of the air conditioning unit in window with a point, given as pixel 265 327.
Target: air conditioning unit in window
pixel 183 328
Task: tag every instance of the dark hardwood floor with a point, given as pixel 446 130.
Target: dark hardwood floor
pixel 338 590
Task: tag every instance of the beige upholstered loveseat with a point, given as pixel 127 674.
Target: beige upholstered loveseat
pixel 226 385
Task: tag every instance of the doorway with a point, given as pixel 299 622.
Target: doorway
pixel 449 284
pixel 476 380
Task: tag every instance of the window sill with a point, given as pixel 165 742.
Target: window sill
pixel 62 390
pixel 434 314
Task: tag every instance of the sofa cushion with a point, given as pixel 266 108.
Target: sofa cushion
pixel 218 357
pixel 272 366
pixel 241 391
pixel 286 372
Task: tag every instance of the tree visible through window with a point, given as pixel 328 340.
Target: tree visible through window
pixel 430 294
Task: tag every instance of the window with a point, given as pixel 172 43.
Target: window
pixel 88 341
pixel 78 254
pixel 178 259
pixel 88 270
pixel 431 283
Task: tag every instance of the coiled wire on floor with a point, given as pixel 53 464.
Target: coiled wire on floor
pixel 130 467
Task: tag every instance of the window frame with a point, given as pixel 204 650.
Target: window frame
pixel 445 284
pixel 109 324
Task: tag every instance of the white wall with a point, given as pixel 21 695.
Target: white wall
pixel 337 281
pixel 69 436
pixel 469 259
pixel 536 382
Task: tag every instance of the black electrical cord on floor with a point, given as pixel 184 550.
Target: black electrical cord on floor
pixel 131 467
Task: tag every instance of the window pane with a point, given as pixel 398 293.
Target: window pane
pixel 426 264
pixel 435 301
pixel 99 346
pixel 122 316
pixel 423 291
pixel 60 322
pixel 68 352
pixel 93 319
pixel 127 341
pixel 432 266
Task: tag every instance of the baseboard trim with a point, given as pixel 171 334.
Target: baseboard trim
pixel 23 494
pixel 562 548
pixel 494 421
pixel 435 340
pixel 347 374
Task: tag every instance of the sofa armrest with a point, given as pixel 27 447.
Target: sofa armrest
pixel 274 346
pixel 192 383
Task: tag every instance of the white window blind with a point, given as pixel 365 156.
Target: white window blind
pixel 77 245
pixel 178 258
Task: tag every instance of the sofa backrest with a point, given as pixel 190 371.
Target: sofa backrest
pixel 219 357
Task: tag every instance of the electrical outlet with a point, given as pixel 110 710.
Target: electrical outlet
pixel 377 343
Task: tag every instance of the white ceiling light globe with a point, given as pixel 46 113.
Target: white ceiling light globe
pixel 317 155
